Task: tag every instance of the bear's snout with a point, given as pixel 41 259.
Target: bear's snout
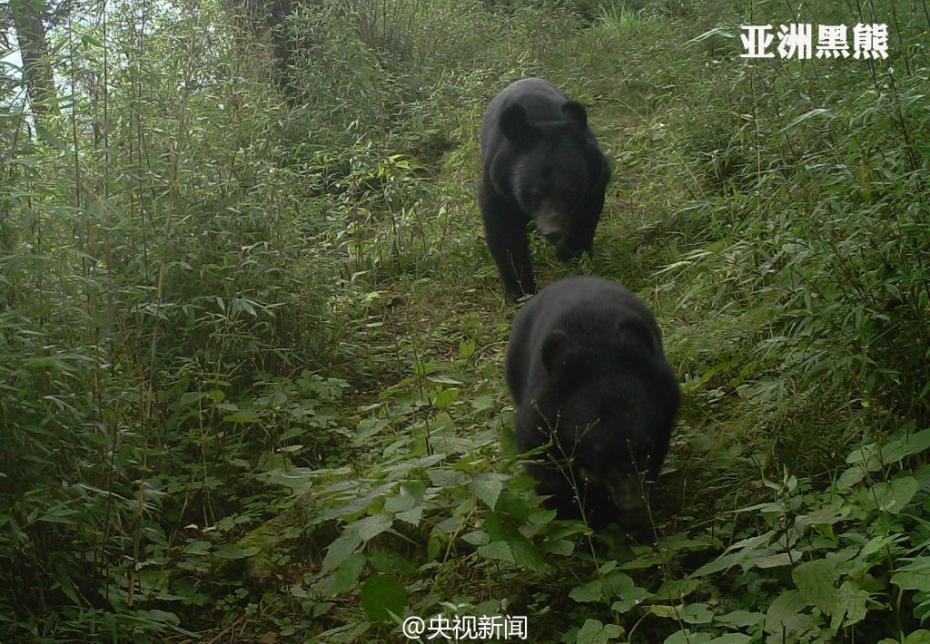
pixel 552 223
pixel 627 492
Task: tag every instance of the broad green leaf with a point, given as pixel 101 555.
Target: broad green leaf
pixel 645 560
pixel 915 575
pixel 477 538
pixel 368 428
pixel 784 614
pixel 776 560
pixel 371 526
pixel 740 619
pixel 893 496
pixel 340 549
pixel 664 610
pixel 690 613
pixel 442 397
pixel 617 583
pixel 400 502
pixel 450 525
pixel 232 551
pixel 412 516
pixel 696 614
pixel 873 457
pixel 561 547
pixel 867 455
pixel 447 477
pixel 197 547
pixel 630 599
pixel 346 574
pixel 482 403
pixel 687 637
pixel 407 497
pixel 593 591
pixel 388 561
pixel 908 445
pixel 720 563
pixel 383 593
pixel 737 553
pixel 594 632
pixel 527 554
pixel 850 477
pixel 878 544
pixel 676 589
pixel 488 487
pixel 910 580
pixel 823 516
pixel 731 638
pixel 297 479
pixel 850 601
pixel 499 550
pixel 814 580
pixel 188 398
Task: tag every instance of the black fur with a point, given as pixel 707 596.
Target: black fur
pixel 541 163
pixel 589 378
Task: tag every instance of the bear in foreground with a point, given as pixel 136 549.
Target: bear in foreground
pixel 590 381
pixel 541 163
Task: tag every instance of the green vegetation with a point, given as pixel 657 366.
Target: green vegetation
pixel 251 340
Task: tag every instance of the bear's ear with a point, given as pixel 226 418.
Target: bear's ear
pixel 516 128
pixel 553 351
pixel 575 113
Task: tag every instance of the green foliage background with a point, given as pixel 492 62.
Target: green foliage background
pixel 251 340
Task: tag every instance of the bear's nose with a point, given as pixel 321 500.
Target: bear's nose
pixel 553 236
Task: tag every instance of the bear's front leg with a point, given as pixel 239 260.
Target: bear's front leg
pixel 509 245
pixel 556 484
pixel 581 238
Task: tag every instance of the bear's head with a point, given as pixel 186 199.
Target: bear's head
pixel 609 410
pixel 552 174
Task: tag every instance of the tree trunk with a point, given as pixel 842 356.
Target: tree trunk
pixel 264 19
pixel 28 18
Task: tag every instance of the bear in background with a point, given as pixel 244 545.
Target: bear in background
pixel 590 381
pixel 541 163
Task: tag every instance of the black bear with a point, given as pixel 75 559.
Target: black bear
pixel 588 376
pixel 541 162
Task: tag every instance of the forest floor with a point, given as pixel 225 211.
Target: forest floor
pixel 253 340
pixel 730 548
